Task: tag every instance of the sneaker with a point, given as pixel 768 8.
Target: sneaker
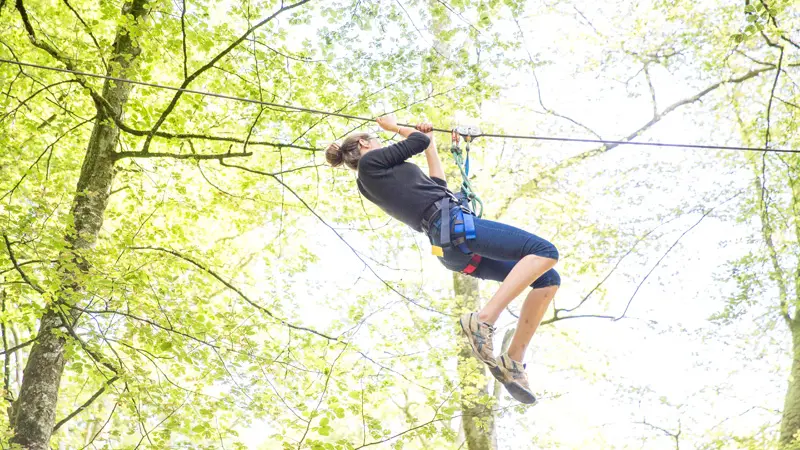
pixel 512 374
pixel 479 335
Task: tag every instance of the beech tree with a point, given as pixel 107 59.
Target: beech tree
pixel 178 266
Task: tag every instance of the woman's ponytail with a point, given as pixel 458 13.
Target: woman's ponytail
pixel 348 153
pixel 334 155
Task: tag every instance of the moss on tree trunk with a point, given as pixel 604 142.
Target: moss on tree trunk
pixel 477 420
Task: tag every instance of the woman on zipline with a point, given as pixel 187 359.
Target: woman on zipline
pixel 494 251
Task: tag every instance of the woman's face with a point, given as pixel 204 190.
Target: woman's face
pixel 371 142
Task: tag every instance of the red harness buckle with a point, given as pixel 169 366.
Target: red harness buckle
pixel 473 264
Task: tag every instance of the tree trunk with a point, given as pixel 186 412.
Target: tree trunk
pixel 35 408
pixel 481 437
pixel 790 423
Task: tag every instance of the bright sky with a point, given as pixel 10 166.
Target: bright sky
pixel 666 349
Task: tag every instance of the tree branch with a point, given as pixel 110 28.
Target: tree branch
pixel 652 90
pixel 787 103
pixel 19 269
pixel 30 97
pixel 91 441
pixel 42 45
pixel 389 369
pixel 775 22
pixel 183 39
pixel 322 396
pixel 288 56
pixel 667 252
pixel 672 107
pixel 198 72
pixel 41 155
pixel 435 419
pixel 605 148
pixel 608 275
pixel 150 322
pixel 89 31
pixel 219 156
pixel 235 289
pixel 757 61
pixel 771 98
pixel 422 36
pixel 32 261
pixel 577 316
pixel 674 436
pixel 18 346
pixel 539 89
pixel 766 233
pixel 386 283
pixel 163 134
pixel 6 359
pixel 86 404
pixel 793 43
pixel 95 356
pixel 463 19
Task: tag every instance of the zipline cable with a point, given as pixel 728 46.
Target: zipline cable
pixel 365 119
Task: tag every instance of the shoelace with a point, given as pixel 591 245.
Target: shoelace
pixel 490 335
pixel 514 369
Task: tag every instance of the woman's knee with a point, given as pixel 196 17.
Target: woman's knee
pixel 553 251
pixel 549 278
pixel 541 247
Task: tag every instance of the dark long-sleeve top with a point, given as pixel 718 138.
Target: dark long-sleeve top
pixel 396 186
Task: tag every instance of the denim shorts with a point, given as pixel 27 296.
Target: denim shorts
pixel 501 246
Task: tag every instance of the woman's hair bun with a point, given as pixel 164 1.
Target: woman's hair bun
pixel 334 155
pixel 348 153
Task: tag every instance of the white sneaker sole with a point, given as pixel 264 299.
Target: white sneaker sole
pixel 516 390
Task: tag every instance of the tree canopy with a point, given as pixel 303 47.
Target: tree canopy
pixel 183 270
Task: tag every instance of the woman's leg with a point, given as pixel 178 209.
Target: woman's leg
pixel 533 256
pixel 524 273
pixel 508 367
pixel 529 318
pixel 536 303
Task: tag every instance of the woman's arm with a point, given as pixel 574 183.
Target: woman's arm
pixel 389 123
pixel 434 163
pixel 415 142
pixel 398 152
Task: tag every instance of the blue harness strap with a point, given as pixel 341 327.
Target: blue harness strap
pixel 469 224
pixel 464 223
pixel 444 235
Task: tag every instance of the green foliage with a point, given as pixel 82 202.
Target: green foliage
pixel 197 361
pixel 200 362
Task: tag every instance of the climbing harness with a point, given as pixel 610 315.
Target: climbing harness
pixel 465 199
pixel 466 195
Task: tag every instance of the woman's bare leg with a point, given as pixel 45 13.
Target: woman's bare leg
pixel 525 272
pixel 532 312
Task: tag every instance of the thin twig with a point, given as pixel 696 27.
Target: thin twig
pixel 86 404
pixel 209 64
pixel 297 196
pixel 19 269
pixel 219 157
pixel 667 252
pixel 235 289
